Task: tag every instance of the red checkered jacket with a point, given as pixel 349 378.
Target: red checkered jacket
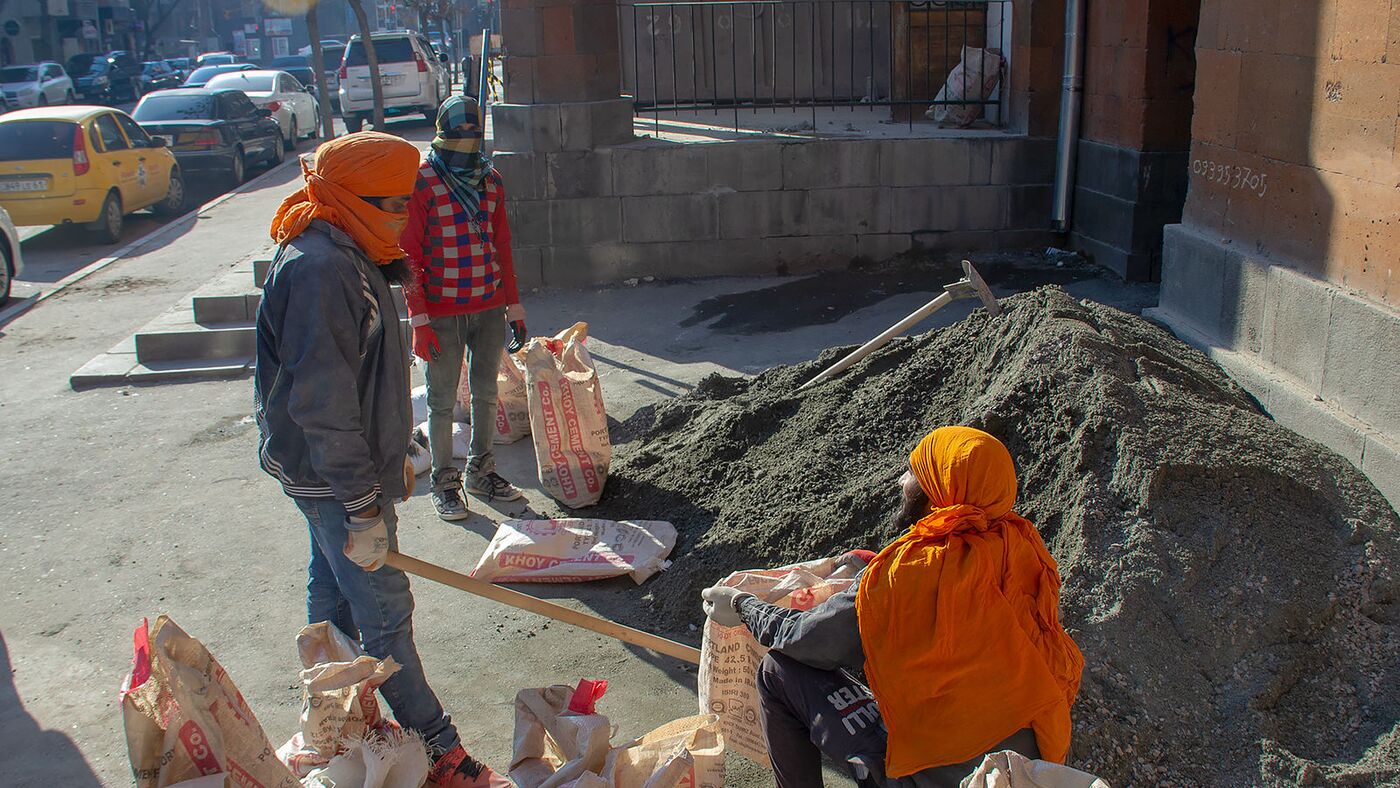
pixel 460 264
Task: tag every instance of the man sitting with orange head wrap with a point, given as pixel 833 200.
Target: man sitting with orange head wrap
pixel 954 625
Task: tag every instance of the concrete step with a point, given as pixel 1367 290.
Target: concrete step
pixel 233 308
pixel 195 342
pixel 261 266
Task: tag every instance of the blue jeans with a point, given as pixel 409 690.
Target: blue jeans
pixel 375 608
pixel 478 337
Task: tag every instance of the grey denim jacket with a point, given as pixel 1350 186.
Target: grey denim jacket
pixel 331 385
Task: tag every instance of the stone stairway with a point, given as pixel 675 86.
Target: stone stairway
pixel 212 336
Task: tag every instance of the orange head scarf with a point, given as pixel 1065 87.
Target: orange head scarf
pixel 364 164
pixel 960 616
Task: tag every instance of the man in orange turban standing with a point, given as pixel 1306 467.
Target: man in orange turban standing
pixel 954 626
pixel 333 412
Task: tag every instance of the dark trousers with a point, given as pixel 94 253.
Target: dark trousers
pixel 808 712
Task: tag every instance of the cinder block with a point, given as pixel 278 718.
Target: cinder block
pixel 762 214
pixel 521 173
pixel 222 308
pixel 1361 374
pixel 1380 461
pixel 529 267
pixel 927 162
pixel 518 74
pixel 724 257
pixel 611 119
pixel 668 218
pixel 578 173
pixel 659 168
pixel 850 210
pixel 595 28
pixel 261 266
pixel 918 209
pixel 196 344
pixel 830 163
pixel 589 221
pixel 801 254
pixel 1193 278
pixel 529 222
pixel 545 133
pixel 556 30
pixel 521 32
pixel 1244 295
pixel 876 247
pixel 585 266
pixel 1300 316
pixel 746 166
pixel 1295 408
pixel 1029 206
pixel 510 126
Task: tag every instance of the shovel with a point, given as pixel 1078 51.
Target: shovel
pixel 970 286
pixel 544 608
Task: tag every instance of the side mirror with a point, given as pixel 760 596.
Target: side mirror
pixel 263 112
pixel 158 142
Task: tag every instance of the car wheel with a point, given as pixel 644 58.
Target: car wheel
pixel 108 227
pixel 68 99
pixel 174 202
pixel 7 275
pixel 43 100
pixel 236 172
pixel 279 155
pixel 291 142
pixel 354 123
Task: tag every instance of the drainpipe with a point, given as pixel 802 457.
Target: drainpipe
pixel 1071 94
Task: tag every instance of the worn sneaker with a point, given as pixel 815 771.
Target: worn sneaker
pixel 447 495
pixel 493 487
pixel 456 769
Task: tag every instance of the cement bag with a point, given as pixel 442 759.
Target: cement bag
pixel 575 550
pixel 568 421
pixel 418 400
pixel 512 400
pixel 729 656
pixel 461 439
pixel 687 752
pixel 1008 769
pixel 560 739
pixel 395 758
pixel 185 719
pixel 420 457
pixel 337 697
pixel 974 78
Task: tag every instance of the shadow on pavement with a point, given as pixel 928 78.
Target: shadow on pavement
pixel 33 755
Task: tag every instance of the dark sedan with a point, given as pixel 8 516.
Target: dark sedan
pixel 212 130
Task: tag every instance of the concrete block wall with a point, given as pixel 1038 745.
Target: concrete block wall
pixel 673 210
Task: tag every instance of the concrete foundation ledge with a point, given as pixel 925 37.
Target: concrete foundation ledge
pixel 1319 359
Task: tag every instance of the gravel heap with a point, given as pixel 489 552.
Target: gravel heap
pixel 1233 585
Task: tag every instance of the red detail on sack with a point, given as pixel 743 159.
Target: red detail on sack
pixel 570 408
pixel 140 660
pixel 240 776
pixel 551 436
pixel 502 423
pixel 587 694
pixel 197 747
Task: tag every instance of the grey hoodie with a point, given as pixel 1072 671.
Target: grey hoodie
pixel 331 385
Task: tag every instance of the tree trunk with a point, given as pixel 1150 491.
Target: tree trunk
pixel 313 30
pixel 373 60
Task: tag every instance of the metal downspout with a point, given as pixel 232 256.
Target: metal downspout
pixel 1071 94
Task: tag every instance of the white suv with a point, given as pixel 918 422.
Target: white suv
pixel 413 78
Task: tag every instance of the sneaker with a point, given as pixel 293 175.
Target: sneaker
pixel 447 495
pixel 456 769
pixel 493 487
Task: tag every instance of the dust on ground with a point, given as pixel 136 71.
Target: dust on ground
pixel 1232 585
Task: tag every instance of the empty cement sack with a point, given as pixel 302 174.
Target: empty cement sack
pixel 512 404
pixel 568 421
pixel 185 718
pixel 338 705
pixel 395 758
pixel 730 656
pixel 573 550
pixel 560 739
pixel 687 752
pixel 974 78
pixel 1009 769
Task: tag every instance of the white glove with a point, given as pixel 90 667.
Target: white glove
pixel 367 541
pixel 722 605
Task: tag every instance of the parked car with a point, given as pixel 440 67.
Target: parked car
pixel 299 67
pixel 97 80
pixel 182 66
pixel 36 85
pixel 413 78
pixel 157 75
pixel 128 86
pixel 331 54
pixel 212 130
pixel 84 165
pixel 201 76
pixel 11 256
pixel 293 107
pixel 216 59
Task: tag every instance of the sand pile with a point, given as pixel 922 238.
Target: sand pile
pixel 1233 586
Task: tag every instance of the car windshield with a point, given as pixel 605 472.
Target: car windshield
pixel 295 61
pixel 389 50
pixel 25 140
pixel 157 107
pixel 215 60
pixel 18 74
pixel 244 82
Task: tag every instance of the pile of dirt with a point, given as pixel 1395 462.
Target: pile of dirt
pixel 1233 585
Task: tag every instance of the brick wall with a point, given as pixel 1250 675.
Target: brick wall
pixel 1294 138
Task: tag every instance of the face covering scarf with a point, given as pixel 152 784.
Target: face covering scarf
pixel 346 170
pixel 456 155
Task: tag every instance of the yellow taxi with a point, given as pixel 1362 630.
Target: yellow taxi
pixel 84 165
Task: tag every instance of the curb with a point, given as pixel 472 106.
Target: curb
pixel 19 308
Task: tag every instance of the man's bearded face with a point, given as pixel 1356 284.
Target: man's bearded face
pixel 913 503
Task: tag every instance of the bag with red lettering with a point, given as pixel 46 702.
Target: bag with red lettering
pixel 512 404
pixel 184 717
pixel 568 421
pixel 572 550
pixel 729 656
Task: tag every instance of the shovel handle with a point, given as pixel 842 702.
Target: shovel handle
pixel 543 607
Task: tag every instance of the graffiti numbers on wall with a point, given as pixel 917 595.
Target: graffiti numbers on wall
pixel 1231 176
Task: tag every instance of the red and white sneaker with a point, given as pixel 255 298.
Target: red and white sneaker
pixel 456 769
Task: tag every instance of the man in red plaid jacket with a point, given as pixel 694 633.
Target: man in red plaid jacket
pixel 462 298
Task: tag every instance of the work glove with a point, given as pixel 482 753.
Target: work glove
pixel 722 605
pixel 367 541
pixel 410 479
pixel 425 343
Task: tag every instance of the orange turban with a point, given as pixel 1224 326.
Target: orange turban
pixel 364 164
pixel 960 616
